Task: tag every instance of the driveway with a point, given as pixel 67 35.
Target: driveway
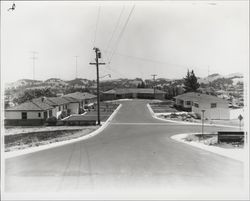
pixel 135 152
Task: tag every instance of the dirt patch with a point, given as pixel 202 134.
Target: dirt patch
pixel 212 139
pixel 34 139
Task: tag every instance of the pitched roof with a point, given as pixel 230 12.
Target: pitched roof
pixel 54 101
pixel 70 99
pixel 80 96
pixel 198 97
pixel 58 100
pixel 134 90
pixel 30 106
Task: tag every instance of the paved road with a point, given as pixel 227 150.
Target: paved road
pixel 134 152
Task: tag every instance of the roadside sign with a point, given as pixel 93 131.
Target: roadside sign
pixel 240 117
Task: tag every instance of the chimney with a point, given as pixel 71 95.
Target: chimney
pixel 43 99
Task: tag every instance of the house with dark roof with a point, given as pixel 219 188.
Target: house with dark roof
pixel 65 105
pixel 144 93
pixel 214 107
pixel 84 99
pixel 28 114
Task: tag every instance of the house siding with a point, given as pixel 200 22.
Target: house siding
pixel 74 108
pixel 18 114
pixel 220 112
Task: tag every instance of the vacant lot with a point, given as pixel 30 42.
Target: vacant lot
pixel 163 107
pixel 34 139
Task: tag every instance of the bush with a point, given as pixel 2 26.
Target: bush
pixel 62 115
pixel 173 115
pixel 51 121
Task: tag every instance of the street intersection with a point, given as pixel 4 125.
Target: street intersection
pixel 135 151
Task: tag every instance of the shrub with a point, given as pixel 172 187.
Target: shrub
pixel 173 115
pixel 51 121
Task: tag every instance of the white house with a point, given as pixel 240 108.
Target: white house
pixel 84 99
pixel 214 107
pixel 60 104
pixel 28 114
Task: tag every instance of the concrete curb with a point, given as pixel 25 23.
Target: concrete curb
pixel 7 155
pixel 240 155
pixel 187 123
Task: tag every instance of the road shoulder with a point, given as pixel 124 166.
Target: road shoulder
pixel 236 154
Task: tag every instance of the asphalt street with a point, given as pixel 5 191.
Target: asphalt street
pixel 135 151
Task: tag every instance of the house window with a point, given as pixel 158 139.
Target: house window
pixel 213 105
pixel 50 113
pixel 188 102
pixel 196 105
pixel 39 114
pixel 59 108
pixel 24 115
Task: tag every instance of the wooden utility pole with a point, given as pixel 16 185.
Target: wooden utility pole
pixel 98 55
pixel 202 123
pixel 34 57
pixel 154 83
pixel 76 65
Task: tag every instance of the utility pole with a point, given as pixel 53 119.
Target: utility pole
pixel 202 123
pixel 34 57
pixel 154 83
pixel 98 56
pixel 76 65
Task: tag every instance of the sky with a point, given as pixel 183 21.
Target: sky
pixel 137 39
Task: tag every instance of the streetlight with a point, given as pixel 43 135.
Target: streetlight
pixel 202 123
pixel 240 117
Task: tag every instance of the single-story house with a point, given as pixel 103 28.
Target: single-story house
pixel 60 104
pixel 28 114
pixel 121 93
pixel 215 108
pixel 84 99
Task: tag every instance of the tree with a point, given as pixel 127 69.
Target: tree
pixel 190 82
pixel 29 94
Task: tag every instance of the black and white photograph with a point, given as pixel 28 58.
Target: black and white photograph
pixel 125 100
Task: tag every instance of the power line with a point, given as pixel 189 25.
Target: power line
pixel 121 34
pixel 96 26
pixel 115 29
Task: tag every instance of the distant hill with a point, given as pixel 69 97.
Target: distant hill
pixel 22 83
pixel 210 78
pixel 78 81
pixel 216 76
pixel 55 81
pixel 234 75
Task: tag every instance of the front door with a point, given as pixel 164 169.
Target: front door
pixel 45 115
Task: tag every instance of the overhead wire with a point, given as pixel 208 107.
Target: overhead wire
pixel 114 31
pixel 118 40
pixel 96 26
pixel 121 34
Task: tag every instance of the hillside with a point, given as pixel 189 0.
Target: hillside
pixel 235 77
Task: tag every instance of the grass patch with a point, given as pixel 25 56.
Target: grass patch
pixel 207 139
pixel 35 139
